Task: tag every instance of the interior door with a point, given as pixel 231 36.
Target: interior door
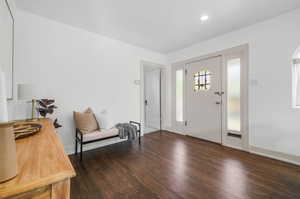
pixel 152 99
pixel 203 105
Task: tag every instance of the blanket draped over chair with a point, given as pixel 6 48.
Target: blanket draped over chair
pixel 127 130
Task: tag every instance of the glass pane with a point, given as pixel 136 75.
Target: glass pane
pixel 297 81
pixel 179 95
pixel 234 95
pixel 202 80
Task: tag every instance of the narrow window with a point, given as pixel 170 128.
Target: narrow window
pixel 296 82
pixel 179 95
pixel 234 95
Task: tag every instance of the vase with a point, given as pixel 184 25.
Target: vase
pixel 8 156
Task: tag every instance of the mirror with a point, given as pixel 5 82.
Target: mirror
pixel 7 45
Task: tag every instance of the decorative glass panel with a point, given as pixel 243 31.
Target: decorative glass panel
pixel 202 80
pixel 234 94
pixel 179 95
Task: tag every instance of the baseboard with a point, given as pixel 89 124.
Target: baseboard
pixel 172 130
pixel 293 159
pixel 234 147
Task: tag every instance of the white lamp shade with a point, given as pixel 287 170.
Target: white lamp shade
pixel 27 92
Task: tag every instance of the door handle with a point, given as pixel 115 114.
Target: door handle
pixel 218 103
pixel 219 93
pixel 146 102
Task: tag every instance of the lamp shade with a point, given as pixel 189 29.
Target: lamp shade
pixel 27 91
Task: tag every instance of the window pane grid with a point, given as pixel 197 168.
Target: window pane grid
pixel 202 80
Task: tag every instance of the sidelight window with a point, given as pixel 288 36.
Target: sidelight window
pixel 234 94
pixel 296 80
pixel 179 95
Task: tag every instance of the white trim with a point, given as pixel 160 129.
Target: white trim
pixel 142 96
pixel 243 51
pixel 234 147
pixel 174 131
pixel 293 159
pixel 175 125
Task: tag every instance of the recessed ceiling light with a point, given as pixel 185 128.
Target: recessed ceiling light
pixel 204 18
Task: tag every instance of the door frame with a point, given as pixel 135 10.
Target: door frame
pixel 243 143
pixel 143 65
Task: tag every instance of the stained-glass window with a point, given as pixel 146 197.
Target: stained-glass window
pixel 202 80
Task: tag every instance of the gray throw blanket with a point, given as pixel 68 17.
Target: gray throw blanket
pixel 127 130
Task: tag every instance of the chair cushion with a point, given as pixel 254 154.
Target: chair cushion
pixel 100 134
pixel 86 121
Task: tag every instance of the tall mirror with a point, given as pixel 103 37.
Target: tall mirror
pixel 7 45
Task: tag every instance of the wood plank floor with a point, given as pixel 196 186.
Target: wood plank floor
pixel 168 165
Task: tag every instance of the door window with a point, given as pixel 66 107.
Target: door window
pixel 202 80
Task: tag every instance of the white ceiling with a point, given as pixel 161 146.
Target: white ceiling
pixel 160 25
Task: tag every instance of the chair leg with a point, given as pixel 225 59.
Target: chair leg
pixel 140 138
pixel 76 143
pixel 80 151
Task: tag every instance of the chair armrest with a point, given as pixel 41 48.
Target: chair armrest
pixel 78 131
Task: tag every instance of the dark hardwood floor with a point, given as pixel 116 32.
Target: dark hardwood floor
pixel 168 165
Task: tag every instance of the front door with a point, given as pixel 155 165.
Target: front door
pixel 203 103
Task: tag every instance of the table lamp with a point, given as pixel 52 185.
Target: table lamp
pixel 28 92
pixel 8 157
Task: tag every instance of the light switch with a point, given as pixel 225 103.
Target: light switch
pixel 137 82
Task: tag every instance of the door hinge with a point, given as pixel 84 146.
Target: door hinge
pixel 185 71
pixel 185 123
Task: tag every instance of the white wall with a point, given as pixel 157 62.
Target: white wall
pixel 274 124
pixel 81 69
pixel 78 69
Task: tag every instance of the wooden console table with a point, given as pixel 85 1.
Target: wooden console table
pixel 44 169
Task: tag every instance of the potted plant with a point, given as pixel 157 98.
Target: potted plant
pixel 46 106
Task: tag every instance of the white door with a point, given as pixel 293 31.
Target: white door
pixel 203 103
pixel 152 99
